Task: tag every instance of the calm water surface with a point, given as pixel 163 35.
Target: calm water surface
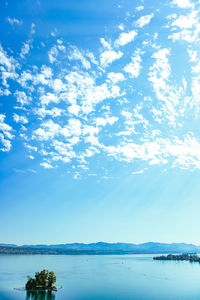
pixel 127 277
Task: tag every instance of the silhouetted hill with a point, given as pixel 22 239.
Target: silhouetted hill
pixel 101 248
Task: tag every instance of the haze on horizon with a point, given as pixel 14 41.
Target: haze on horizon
pixel 99 121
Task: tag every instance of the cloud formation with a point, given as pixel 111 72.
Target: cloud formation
pixel 128 100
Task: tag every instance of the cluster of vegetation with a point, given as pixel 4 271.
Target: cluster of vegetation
pixel 188 257
pixel 43 280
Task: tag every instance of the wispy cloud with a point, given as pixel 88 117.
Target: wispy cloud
pixel 20 119
pixel 13 21
pixel 144 20
pixel 108 56
pixel 183 3
pixel 133 68
pixel 125 38
pixel 5 134
pixel 46 165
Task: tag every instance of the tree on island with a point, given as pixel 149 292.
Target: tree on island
pixel 43 280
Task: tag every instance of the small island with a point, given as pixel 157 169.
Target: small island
pixel 43 281
pixel 180 257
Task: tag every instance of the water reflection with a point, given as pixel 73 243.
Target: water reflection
pixel 40 295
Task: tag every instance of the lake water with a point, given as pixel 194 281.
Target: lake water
pixel 103 277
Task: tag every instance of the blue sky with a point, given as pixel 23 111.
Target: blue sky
pixel 99 121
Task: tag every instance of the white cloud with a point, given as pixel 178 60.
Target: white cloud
pixel 186 27
pixel 92 58
pixel 30 147
pixel 134 67
pixel 105 44
pixel 4 92
pixel 63 151
pixel 77 55
pixel 14 21
pixel 74 109
pixel 5 134
pixel 22 98
pixel 138 172
pixel 104 121
pixel 183 3
pixel 53 53
pixel 107 57
pixel 48 130
pixel 96 94
pixel 193 55
pixel 186 21
pixel 116 77
pixel 54 112
pixel 46 165
pixel 43 77
pixel 184 153
pixel 74 127
pixel 8 67
pixel 20 119
pixel 125 38
pixel 144 20
pixel 32 28
pixel 5 143
pixel 161 67
pixel 121 27
pixel 25 49
pixel 139 8
pixel 90 130
pixel 171 97
pixel 49 97
pixel 134 121
pixel 58 85
pixel 46 71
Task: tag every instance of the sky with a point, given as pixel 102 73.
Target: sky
pixel 99 121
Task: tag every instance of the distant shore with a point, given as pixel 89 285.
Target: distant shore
pixel 181 257
pixel 30 251
pixel 100 249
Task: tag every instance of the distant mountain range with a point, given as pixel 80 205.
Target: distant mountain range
pixel 100 248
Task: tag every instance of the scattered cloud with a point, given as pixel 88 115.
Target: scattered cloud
pixel 121 27
pixel 81 103
pixel 116 77
pixel 185 27
pixel 183 3
pixel 105 121
pixel 55 50
pixel 186 21
pixel 77 55
pixel 20 119
pixel 8 67
pixel 125 38
pixel 13 21
pixel 5 134
pixel 133 68
pixel 144 20
pixel 46 165
pixel 108 56
pixel 25 49
pixel 139 8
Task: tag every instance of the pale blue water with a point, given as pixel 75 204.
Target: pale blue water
pixel 127 277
